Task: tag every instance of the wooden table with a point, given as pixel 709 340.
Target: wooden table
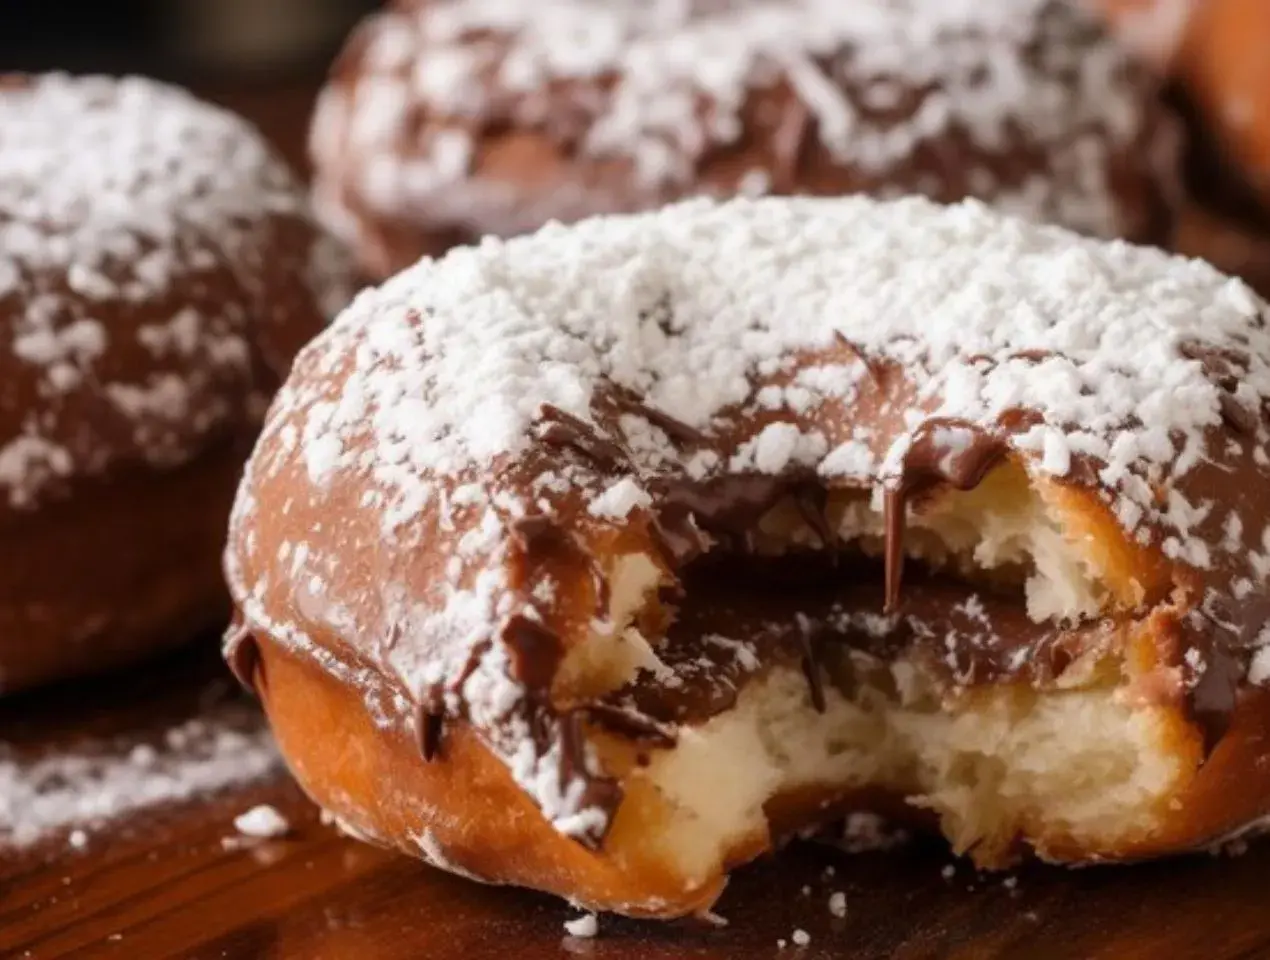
pixel 163 883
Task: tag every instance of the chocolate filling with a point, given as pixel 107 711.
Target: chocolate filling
pixel 743 616
pixel 943 451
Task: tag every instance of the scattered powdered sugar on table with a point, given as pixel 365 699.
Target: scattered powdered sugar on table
pixel 585 926
pixel 262 821
pixel 664 84
pixel 83 788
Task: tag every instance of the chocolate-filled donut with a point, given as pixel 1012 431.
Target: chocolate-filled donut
pixel 454 119
pixel 159 267
pixel 598 560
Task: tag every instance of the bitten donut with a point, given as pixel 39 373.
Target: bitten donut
pixel 449 120
pixel 599 560
pixel 158 270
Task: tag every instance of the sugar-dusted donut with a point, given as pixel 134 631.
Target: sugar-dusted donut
pixel 158 270
pixel 453 119
pixel 598 560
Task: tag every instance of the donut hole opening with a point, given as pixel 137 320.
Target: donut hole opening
pixel 1007 766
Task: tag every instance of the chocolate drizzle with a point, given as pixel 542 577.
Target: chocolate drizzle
pixel 565 430
pixel 675 429
pixel 858 352
pixel 538 534
pixel 942 451
pixel 811 500
pixel 600 792
pixel 789 144
pixel 242 655
pixel 536 651
pixel 631 723
pixel 428 727
pixel 536 531
pixel 809 644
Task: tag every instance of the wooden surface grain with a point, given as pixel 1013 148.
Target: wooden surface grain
pixel 180 882
pixel 165 883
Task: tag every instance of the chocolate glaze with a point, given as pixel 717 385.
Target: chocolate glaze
pixel 562 429
pixel 536 651
pixel 933 458
pixel 629 722
pixel 429 724
pixel 741 617
pixel 1214 695
pixel 602 793
pixel 242 655
pixel 809 644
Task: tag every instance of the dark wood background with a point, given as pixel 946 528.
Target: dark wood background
pixel 162 884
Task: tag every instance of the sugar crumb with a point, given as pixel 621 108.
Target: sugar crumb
pixel 585 926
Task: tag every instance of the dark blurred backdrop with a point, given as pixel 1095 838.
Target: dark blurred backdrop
pixel 202 42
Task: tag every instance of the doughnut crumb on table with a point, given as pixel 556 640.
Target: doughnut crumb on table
pixel 159 268
pixel 445 121
pixel 601 560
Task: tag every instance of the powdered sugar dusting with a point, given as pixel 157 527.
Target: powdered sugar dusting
pixel 140 260
pixel 879 82
pixel 98 783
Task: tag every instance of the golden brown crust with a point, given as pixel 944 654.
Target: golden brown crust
pixel 462 811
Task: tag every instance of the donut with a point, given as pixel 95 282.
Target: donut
pixel 1224 69
pixel 449 120
pixel 1234 246
pixel 602 559
pixel 1153 29
pixel 159 268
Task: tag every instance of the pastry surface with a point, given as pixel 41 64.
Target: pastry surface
pixel 159 267
pixel 447 121
pixel 840 503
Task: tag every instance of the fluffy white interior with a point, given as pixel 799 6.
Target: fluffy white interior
pixel 1001 526
pixel 614 649
pixel 1075 762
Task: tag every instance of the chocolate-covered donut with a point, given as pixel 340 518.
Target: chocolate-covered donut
pixel 598 560
pixel 455 119
pixel 158 269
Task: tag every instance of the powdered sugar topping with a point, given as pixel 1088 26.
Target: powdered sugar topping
pixel 137 232
pixel 663 84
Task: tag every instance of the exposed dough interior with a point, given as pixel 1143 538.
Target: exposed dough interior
pixel 1078 760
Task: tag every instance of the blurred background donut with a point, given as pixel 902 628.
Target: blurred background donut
pixel 158 270
pixel 445 121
